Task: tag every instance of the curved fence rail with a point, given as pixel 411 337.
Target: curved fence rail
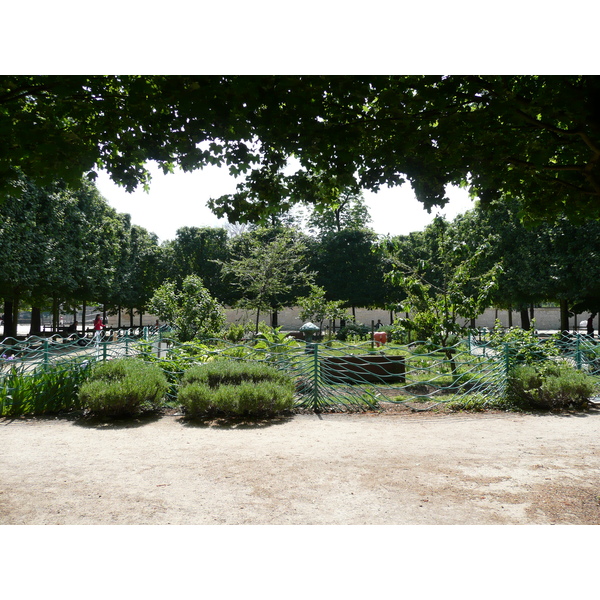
pixel 329 376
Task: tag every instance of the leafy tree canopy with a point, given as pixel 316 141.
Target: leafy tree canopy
pixel 349 212
pixel 191 310
pixel 536 137
pixel 268 265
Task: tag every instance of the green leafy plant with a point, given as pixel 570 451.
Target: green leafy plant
pixel 235 388
pixel 235 332
pixel 316 308
pixel 123 387
pixel 178 359
pixel 192 311
pixel 523 347
pixel 480 402
pixel 439 305
pixel 47 390
pixel 275 346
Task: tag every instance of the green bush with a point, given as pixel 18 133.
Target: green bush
pixel 123 387
pixel 175 361
pixel 232 372
pixel 196 398
pixel 236 332
pixel 353 331
pixel 189 309
pixel 235 388
pixel 480 402
pixel 549 386
pixel 266 398
pixel 523 347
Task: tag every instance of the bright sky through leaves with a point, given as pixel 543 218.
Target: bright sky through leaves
pixel 179 199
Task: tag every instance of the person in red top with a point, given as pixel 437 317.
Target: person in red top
pixel 98 327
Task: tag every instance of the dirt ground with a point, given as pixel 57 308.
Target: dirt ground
pixel 393 469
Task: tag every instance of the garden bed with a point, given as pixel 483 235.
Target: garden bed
pixel 372 368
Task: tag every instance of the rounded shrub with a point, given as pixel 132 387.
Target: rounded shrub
pixel 232 372
pixel 235 388
pixel 196 398
pixel 123 387
pixel 551 386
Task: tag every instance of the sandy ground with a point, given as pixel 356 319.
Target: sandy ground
pixel 492 468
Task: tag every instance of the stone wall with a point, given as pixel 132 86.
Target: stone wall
pixel 546 319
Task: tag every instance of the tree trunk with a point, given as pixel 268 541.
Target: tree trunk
pixel 525 323
pixel 55 314
pixel 15 314
pixel 564 317
pixel 509 317
pixel 449 352
pixel 257 318
pixel 35 326
pixel 9 325
pixel 274 319
pixel 119 321
pixel 131 318
pixel 141 318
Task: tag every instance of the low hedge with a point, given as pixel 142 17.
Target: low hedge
pixel 549 386
pixel 123 387
pixel 235 388
pixel 233 372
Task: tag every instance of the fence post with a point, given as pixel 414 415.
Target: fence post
pixel 46 355
pixel 315 377
pixel 506 359
pixel 104 343
pixel 578 352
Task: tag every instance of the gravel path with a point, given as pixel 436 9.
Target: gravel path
pixel 491 468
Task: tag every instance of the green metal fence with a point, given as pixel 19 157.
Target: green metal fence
pixel 329 375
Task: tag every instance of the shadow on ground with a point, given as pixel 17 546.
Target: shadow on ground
pixel 96 422
pixel 236 423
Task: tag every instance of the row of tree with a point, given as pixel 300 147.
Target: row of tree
pixel 488 257
pixel 64 248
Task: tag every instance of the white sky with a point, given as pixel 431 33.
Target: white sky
pixel 179 199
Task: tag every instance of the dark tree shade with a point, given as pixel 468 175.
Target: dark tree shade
pixel 536 137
